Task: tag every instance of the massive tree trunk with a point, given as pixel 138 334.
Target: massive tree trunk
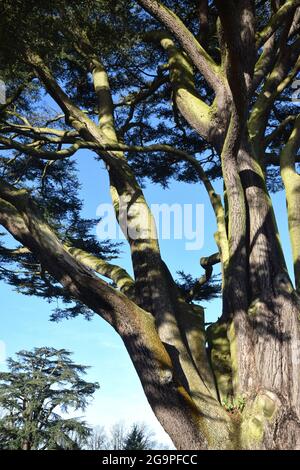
pixel 271 419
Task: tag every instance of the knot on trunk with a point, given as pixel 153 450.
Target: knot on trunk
pixel 282 284
pixel 165 376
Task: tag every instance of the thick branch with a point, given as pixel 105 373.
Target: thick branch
pixel 265 62
pixel 291 182
pixel 235 272
pixel 287 156
pixel 197 113
pixel 238 33
pixel 105 103
pixel 201 59
pixel 100 79
pixel 39 153
pixel 73 114
pixel 117 274
pixel 279 130
pixel 278 80
pixel 276 21
pixel 207 264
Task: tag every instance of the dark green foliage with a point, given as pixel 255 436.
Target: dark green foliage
pixel 116 31
pixel 137 439
pixel 207 291
pixel 56 191
pixel 40 386
pixel 131 67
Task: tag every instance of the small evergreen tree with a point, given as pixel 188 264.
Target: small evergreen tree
pixel 40 385
pixel 138 438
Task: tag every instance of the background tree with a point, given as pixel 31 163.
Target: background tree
pixel 98 439
pixel 117 436
pixel 138 438
pixel 183 89
pixel 40 385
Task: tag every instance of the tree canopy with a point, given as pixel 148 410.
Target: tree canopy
pixel 138 439
pixel 36 393
pixel 189 90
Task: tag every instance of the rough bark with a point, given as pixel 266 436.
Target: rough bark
pixel 291 181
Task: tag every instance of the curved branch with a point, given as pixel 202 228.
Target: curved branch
pixel 279 79
pixel 133 99
pixel 291 180
pixel 117 274
pixel 276 21
pixel 179 155
pixel 264 63
pixel 207 264
pixel 280 129
pixel 196 112
pixel 66 136
pixel 201 59
pixel 13 144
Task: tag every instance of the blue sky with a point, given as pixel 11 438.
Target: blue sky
pixel 25 320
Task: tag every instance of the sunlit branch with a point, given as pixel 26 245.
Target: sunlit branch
pixel 201 59
pixel 117 274
pixel 276 21
pixel 12 144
